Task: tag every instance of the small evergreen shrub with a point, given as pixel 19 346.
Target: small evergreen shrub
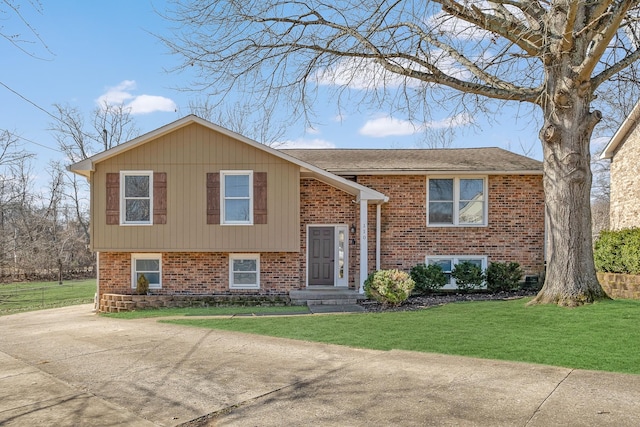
pixel 503 276
pixel 428 278
pixel 389 287
pixel 618 251
pixel 607 252
pixel 468 276
pixel 142 286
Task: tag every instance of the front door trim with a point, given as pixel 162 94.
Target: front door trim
pixel 341 253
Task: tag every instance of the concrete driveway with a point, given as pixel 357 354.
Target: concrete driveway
pixel 70 367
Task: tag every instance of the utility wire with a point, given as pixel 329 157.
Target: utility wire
pixel 57 119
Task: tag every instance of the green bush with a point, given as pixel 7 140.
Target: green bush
pixel 428 278
pixel 618 251
pixel 503 276
pixel 468 276
pixel 389 287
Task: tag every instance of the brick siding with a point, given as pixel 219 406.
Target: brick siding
pixel 323 204
pixel 200 273
pixel 515 230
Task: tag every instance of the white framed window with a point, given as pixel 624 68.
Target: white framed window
pixel 447 263
pixel 149 265
pixel 457 201
pixel 244 271
pixel 236 197
pixel 136 197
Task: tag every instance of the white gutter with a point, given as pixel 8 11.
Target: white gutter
pixel 620 135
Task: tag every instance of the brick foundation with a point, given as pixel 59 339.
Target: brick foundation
pixel 200 273
pixel 115 303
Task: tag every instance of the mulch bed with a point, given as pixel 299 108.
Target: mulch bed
pixel 421 302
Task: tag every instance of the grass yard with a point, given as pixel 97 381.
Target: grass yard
pixel 603 336
pixel 19 297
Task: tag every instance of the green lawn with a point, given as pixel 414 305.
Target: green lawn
pixel 602 336
pixel 19 297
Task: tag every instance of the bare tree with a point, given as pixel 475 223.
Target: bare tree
pixel 258 125
pixel 110 126
pixel 553 55
pixel 16 28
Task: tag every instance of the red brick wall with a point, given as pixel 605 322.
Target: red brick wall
pixel 322 204
pixel 515 230
pixel 200 273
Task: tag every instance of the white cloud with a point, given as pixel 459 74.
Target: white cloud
pixel 458 120
pixel 389 126
pixel 305 143
pixel 363 74
pixel 137 104
pixel 312 131
pixel 358 74
pixel 145 104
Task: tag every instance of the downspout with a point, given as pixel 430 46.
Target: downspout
pixel 378 221
pixel 96 302
pixel 364 250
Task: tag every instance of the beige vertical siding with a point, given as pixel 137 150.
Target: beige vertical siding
pixel 187 155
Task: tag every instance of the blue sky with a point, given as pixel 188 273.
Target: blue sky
pixel 106 50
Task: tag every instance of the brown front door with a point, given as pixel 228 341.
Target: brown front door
pixel 321 256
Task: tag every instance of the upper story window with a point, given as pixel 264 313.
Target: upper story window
pixel 137 197
pixel 237 197
pixel 456 201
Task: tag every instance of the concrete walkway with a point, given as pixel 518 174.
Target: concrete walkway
pixel 70 367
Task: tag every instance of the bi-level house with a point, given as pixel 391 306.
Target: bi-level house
pixel 201 210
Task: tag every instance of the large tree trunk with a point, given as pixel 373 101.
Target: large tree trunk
pixel 570 276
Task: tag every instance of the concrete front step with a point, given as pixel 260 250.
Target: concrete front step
pixel 325 296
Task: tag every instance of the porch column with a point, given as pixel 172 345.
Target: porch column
pixel 378 221
pixel 364 249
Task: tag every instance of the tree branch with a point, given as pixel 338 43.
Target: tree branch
pixel 605 31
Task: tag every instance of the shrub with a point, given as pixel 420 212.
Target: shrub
pixel 389 287
pixel 142 286
pixel 618 251
pixel 428 278
pixel 468 276
pixel 607 252
pixel 503 276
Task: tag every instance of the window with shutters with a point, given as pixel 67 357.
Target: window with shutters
pixel 136 197
pixel 236 197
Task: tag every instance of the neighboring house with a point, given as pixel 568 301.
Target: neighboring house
pixel 201 210
pixel 624 152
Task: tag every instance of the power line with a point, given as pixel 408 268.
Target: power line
pixel 57 119
pixel 15 135
pixel 30 102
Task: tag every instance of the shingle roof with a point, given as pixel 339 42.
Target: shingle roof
pixel 395 161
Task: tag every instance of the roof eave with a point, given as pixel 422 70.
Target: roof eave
pixel 621 133
pixel 437 172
